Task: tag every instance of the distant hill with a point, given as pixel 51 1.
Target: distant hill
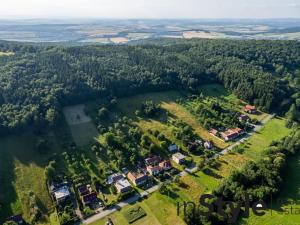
pixel 125 31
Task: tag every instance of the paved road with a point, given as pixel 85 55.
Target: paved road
pixel 192 169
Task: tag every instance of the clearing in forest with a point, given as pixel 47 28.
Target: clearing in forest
pixel 82 128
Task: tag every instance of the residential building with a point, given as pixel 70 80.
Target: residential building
pixel 165 165
pixel 178 158
pixel 89 198
pixel 61 194
pixel 244 118
pixel 154 170
pixel 213 132
pixel 208 145
pixel 17 219
pixel 114 178
pixel 250 109
pixel 87 194
pixel 231 134
pixel 173 148
pixel 123 186
pixel 138 179
pixel 153 160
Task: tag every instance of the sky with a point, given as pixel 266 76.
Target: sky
pixel 12 9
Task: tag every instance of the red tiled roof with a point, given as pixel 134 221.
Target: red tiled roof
pixel 213 131
pixel 165 164
pixel 154 168
pixel 250 107
pixel 134 176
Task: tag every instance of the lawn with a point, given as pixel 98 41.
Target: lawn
pixel 159 212
pixel 288 197
pixel 273 130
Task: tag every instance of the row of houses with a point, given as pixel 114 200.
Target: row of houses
pixel 229 134
pixel 234 133
pixel 154 166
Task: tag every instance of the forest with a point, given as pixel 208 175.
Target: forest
pixel 37 81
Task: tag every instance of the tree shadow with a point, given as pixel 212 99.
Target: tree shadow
pixel 8 193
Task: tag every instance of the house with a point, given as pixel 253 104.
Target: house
pixel 89 198
pixel 173 148
pixel 123 186
pixel 244 118
pixel 125 170
pixel 154 170
pixel 114 178
pixel 199 142
pixel 61 194
pixel 213 132
pixel 83 190
pixel 192 145
pixel 87 194
pixel 178 158
pixel 151 161
pixel 137 179
pixel 165 165
pixel 250 109
pixel 208 145
pixel 231 134
pixel 17 219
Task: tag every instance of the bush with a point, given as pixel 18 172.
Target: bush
pixel 88 212
pixel 134 214
pixel 103 113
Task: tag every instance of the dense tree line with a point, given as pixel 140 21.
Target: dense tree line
pixel 38 80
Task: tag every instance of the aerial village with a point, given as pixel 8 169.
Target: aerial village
pixel 77 198
pixel 132 184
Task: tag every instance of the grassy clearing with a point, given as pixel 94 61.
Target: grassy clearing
pixel 82 128
pixel 289 197
pixel 273 130
pixel 6 53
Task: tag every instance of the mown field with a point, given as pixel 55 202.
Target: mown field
pixel 272 131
